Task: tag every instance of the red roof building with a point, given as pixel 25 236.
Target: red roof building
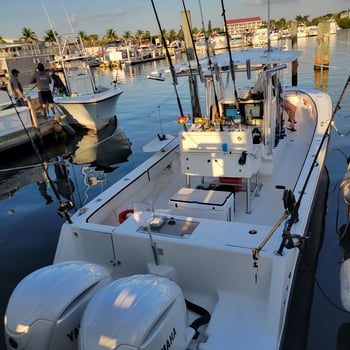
pixel 243 25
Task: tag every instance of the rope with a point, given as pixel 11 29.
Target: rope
pixel 329 299
pixel 15 100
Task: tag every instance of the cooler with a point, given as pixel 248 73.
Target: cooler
pixel 204 204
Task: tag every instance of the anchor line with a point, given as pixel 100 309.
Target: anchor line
pixel 172 69
pixel 294 214
pixel 63 206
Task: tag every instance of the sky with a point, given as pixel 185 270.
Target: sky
pixel 96 16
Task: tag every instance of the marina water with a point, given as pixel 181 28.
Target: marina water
pixel 30 223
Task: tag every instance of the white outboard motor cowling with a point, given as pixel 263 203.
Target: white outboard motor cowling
pixel 138 312
pixel 45 309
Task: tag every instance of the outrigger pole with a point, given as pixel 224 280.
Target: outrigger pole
pixel 172 69
pixel 64 206
pixel 232 66
pixel 190 52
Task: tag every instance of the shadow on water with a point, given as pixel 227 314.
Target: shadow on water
pixel 301 302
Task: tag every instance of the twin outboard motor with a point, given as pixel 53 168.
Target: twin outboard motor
pixel 45 309
pixel 76 305
pixel 138 312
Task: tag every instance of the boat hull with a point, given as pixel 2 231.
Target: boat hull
pixel 240 292
pixel 90 111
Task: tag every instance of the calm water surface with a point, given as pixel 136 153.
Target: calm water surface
pixel 30 223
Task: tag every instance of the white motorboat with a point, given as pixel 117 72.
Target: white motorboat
pixel 302 31
pixel 86 104
pixel 198 247
pixel 218 41
pixel 262 36
pixel 333 26
pixel 21 125
pixel 312 30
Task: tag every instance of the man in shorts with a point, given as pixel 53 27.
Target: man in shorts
pixel 43 80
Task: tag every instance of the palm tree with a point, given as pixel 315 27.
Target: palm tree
pixel 110 35
pixel 50 36
pixel 127 36
pixel 28 35
pixel 138 35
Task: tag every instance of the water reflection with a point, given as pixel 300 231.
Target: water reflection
pixel 98 153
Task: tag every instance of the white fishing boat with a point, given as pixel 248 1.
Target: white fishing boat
pixel 218 41
pixel 302 31
pixel 198 247
pixel 21 125
pixel 262 36
pixel 86 104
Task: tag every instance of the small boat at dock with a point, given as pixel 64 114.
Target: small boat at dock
pixel 20 125
pixel 86 104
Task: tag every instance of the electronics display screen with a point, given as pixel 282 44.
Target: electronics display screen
pixel 231 112
pixel 252 110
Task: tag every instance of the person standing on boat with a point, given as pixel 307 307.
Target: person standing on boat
pixel 16 89
pixel 43 80
pixel 58 86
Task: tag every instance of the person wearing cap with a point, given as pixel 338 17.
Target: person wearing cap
pixel 42 79
pixel 16 89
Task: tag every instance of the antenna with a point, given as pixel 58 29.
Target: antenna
pixel 68 19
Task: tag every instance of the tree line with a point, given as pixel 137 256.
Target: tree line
pixel 28 35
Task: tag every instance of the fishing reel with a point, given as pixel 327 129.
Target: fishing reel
pixel 3 86
pixel 64 208
pixel 294 241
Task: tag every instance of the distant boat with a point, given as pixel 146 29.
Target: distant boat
pixel 312 30
pixel 333 26
pixel 219 41
pixel 260 37
pixel 21 125
pixel 301 31
pixel 117 54
pixel 237 40
pixel 86 104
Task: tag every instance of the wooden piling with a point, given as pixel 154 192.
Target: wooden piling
pixel 326 47
pixel 294 30
pixel 186 25
pixel 318 61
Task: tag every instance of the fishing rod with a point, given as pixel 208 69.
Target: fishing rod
pixel 172 69
pixel 210 64
pixel 64 206
pixel 294 213
pixel 232 66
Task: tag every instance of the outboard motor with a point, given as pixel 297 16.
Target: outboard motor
pixel 45 309
pixel 138 312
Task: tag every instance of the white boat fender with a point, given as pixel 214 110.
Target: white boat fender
pixel 137 312
pixel 45 309
pixel 124 215
pixel 345 284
